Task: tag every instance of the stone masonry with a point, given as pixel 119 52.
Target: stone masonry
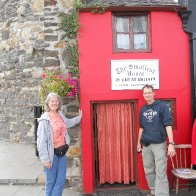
pixel 30 39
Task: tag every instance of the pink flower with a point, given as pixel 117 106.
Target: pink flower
pixel 55 78
pixel 69 75
pixel 71 94
pixel 43 75
pixel 73 81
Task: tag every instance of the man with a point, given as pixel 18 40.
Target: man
pixel 155 126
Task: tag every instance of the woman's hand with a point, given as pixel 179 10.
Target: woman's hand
pixel 80 113
pixel 47 165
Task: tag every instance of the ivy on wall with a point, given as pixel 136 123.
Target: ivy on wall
pixel 71 55
pixel 69 23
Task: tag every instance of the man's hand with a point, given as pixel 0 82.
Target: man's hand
pixel 171 150
pixel 139 147
pixel 47 165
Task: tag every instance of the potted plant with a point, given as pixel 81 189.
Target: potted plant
pixel 54 80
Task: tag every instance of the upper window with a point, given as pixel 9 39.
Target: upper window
pixel 131 33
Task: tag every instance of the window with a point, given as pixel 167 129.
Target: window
pixel 131 33
pixel 172 107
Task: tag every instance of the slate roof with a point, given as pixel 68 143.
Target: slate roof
pixel 134 2
pixel 179 4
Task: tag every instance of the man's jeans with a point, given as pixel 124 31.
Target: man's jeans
pixel 55 177
pixel 155 167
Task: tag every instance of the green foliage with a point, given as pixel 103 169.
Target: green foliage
pixel 69 23
pixel 73 58
pixel 78 4
pixel 98 7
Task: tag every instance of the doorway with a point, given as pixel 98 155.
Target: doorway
pixel 115 140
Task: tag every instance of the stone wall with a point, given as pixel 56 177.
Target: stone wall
pixel 21 61
pixel 30 39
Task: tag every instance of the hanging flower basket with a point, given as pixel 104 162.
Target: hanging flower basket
pixel 54 80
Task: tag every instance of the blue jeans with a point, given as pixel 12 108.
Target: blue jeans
pixel 56 176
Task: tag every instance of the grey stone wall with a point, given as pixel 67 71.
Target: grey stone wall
pixel 30 39
pixel 21 62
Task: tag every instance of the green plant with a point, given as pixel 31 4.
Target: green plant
pixel 73 57
pixel 78 4
pixel 69 23
pixel 54 80
pixel 98 7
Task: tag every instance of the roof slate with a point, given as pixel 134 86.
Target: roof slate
pixel 132 2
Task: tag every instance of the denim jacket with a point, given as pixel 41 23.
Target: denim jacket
pixel 45 137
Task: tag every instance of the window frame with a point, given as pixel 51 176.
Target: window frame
pixel 114 34
pixel 171 103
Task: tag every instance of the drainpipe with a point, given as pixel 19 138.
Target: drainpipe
pixel 193 74
pixel 38 110
pixel 184 15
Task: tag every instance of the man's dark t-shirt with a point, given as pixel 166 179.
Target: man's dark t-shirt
pixel 153 119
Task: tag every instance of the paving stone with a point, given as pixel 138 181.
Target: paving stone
pixel 30 190
pixel 18 164
pixel 4 181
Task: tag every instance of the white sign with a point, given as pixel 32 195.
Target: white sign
pixel 134 74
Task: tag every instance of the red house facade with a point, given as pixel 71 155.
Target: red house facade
pixel 154 49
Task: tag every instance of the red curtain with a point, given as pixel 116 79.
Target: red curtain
pixel 115 143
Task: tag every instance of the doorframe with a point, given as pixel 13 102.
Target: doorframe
pixel 95 138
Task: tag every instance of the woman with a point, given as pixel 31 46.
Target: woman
pixel 52 140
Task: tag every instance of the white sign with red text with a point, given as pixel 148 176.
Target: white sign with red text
pixel 134 74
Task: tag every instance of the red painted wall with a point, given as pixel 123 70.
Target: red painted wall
pixel 169 43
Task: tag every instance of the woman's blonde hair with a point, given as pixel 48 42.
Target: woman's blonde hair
pixel 52 95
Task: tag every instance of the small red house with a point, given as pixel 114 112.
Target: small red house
pixel 120 50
